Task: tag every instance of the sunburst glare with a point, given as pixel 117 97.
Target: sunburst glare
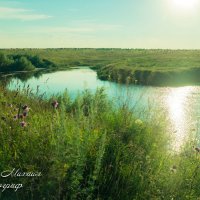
pixel 177 102
pixel 184 5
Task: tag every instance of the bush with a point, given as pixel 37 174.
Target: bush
pixel 22 64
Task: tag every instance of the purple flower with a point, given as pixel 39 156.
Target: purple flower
pixel 55 104
pixel 25 113
pixel 20 116
pixel 23 124
pixel 25 108
pixel 15 117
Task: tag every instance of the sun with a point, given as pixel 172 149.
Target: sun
pixel 185 4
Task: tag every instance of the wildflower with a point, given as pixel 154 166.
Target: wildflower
pixel 25 114
pixel 20 116
pixel 55 104
pixel 23 124
pixel 25 108
pixel 15 117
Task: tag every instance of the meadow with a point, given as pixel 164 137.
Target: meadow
pixel 138 66
pixel 88 148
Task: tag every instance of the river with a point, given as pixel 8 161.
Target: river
pixel 181 104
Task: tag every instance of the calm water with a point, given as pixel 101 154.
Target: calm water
pixel 181 104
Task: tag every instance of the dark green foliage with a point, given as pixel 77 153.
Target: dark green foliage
pixel 22 64
pixel 5 62
pixel 38 62
pixel 13 63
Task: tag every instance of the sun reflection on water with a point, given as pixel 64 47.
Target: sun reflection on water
pixel 177 102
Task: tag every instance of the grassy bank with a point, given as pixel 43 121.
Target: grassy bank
pixel 146 67
pixel 82 148
pixel 153 77
pixel 88 149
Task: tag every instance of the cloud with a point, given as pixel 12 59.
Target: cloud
pixel 20 14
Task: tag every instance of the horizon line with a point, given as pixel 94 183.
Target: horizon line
pixel 43 48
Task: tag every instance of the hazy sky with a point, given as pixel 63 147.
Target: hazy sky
pixel 100 23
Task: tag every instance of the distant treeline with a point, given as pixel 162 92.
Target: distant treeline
pixel 11 63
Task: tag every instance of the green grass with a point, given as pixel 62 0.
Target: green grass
pixel 162 60
pixel 146 67
pixel 89 149
pixel 85 149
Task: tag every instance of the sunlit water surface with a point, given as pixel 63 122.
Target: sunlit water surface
pixel 180 104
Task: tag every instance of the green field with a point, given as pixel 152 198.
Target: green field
pixel 145 67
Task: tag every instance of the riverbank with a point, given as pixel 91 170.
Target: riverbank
pixel 146 67
pixel 128 75
pixel 13 73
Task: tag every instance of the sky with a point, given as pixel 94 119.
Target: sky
pixel 168 24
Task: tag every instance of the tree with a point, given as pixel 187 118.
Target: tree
pixel 23 64
pixel 36 61
pixel 5 62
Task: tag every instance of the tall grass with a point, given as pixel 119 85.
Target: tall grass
pixel 89 149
